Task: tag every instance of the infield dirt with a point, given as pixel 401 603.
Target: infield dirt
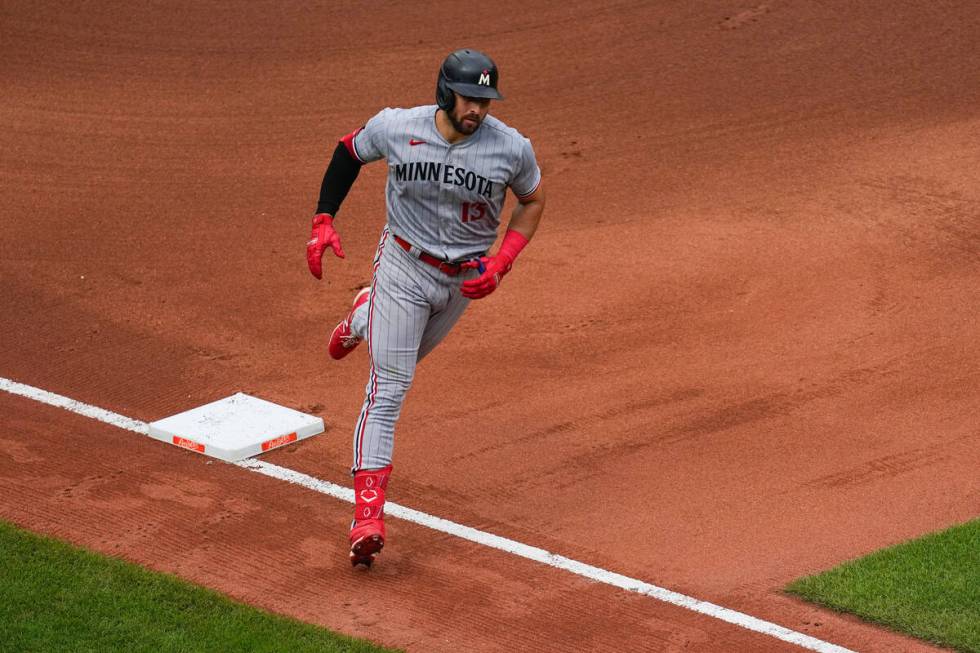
pixel 742 347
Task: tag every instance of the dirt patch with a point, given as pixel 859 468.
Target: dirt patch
pixel 741 348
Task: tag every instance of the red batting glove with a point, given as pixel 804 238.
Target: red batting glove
pixel 495 267
pixel 323 236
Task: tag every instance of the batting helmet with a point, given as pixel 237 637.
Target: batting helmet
pixel 468 72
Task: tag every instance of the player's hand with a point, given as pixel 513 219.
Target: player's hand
pixel 323 236
pixel 494 268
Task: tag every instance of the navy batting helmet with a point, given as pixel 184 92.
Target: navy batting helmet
pixel 468 72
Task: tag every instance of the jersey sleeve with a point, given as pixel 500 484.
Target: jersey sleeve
pixel 370 143
pixel 527 174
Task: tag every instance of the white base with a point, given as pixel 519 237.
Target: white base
pixel 236 427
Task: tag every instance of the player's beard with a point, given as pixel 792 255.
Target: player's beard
pixel 462 128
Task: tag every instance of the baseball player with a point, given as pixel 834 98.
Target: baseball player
pixel 449 167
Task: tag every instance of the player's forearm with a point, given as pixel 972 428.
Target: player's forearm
pixel 526 217
pixel 337 180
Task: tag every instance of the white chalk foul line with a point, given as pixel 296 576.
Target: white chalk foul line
pixel 464 532
pixel 50 398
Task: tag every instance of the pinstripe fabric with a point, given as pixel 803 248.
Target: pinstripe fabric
pixel 429 179
pixel 412 307
pixel 445 199
pixel 372 388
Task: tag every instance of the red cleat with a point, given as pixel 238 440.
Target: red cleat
pixel 367 531
pixel 367 538
pixel 343 340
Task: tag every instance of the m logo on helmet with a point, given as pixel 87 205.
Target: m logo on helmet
pixel 484 78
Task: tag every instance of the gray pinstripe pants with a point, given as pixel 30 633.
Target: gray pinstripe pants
pixel 412 307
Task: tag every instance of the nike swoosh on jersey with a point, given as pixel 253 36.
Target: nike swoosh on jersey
pixel 413 142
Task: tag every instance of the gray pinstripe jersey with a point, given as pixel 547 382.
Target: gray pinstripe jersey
pixel 447 199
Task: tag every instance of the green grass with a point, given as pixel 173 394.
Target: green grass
pixel 55 597
pixel 928 588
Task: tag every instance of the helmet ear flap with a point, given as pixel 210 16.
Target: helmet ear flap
pixel 444 95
